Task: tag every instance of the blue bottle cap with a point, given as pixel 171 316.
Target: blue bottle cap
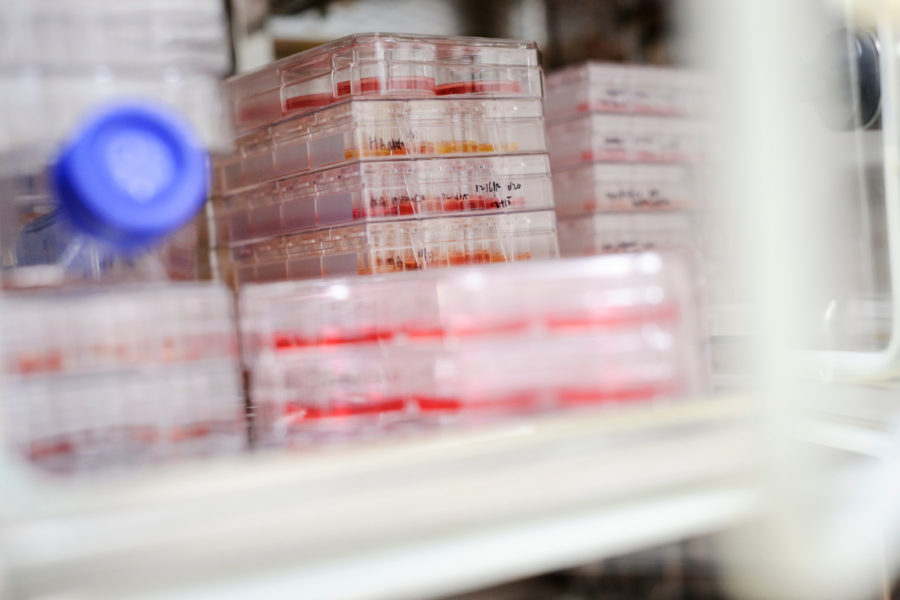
pixel 132 173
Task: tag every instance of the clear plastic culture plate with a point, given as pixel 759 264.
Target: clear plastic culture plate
pixel 380 64
pixel 617 88
pixel 403 245
pixel 361 355
pixel 361 390
pixel 100 377
pixel 71 424
pixel 600 187
pixel 625 138
pixel 372 191
pixel 153 34
pixel 605 233
pixel 373 129
pixel 77 331
pixel 436 305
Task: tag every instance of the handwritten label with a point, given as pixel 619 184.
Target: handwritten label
pixel 394 146
pixel 652 198
pixel 490 187
pixel 627 246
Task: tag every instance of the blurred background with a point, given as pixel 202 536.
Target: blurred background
pixel 567 31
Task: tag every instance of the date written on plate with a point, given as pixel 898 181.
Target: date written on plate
pixel 497 189
pixel 492 187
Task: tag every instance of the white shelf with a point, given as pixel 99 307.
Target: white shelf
pixel 410 518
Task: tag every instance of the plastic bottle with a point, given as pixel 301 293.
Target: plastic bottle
pixel 132 173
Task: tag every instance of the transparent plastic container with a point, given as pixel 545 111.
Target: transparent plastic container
pixel 149 32
pixel 600 187
pixel 616 88
pixel 390 246
pixel 126 419
pixel 379 64
pixel 313 395
pixel 130 175
pixel 625 138
pixel 281 317
pixel 353 393
pixel 77 331
pixel 99 378
pixel 487 67
pixel 437 305
pixel 384 190
pixel 606 233
pixel 499 377
pixel 372 129
pixel 356 357
pixel 61 59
